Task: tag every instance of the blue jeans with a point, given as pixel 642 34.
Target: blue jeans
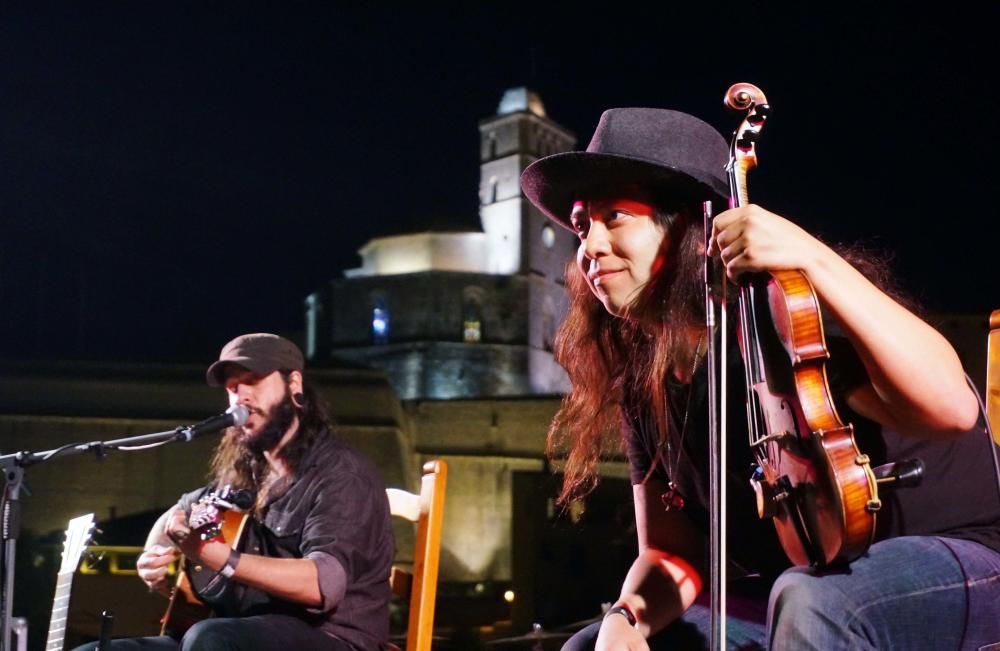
pixel 914 592
pixel 265 632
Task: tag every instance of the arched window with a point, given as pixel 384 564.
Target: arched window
pixel 491 193
pixel 548 324
pixel 492 147
pixel 472 315
pixel 314 313
pixel 380 322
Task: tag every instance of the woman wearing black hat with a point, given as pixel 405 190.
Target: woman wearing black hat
pixel 633 344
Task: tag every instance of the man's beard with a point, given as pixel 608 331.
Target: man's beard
pixel 279 419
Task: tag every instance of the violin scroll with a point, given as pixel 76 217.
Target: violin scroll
pixel 747 98
pixel 742 96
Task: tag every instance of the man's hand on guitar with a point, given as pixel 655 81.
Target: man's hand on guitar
pixel 153 565
pixel 212 553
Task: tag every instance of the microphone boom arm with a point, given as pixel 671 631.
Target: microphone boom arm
pixel 13 465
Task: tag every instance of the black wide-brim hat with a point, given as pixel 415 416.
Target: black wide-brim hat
pixel 665 153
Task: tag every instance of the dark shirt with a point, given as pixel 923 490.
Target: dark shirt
pixel 957 497
pixel 334 511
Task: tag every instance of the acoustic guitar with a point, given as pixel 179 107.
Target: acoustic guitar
pixel 216 515
pixel 77 539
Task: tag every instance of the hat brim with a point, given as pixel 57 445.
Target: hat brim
pixel 553 183
pixel 216 373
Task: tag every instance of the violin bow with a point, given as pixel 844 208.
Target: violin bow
pixel 716 435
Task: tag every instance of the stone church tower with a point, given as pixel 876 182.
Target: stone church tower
pixel 521 239
pixel 472 314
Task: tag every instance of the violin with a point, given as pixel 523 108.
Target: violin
pixel 811 478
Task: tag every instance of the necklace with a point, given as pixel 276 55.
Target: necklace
pixel 673 499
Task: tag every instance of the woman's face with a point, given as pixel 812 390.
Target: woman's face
pixel 621 247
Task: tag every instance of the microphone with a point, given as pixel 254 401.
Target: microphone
pixel 234 416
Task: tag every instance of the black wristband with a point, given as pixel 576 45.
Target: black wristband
pixel 229 569
pixel 622 609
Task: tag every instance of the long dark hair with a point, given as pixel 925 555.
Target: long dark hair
pixel 616 363
pixel 234 464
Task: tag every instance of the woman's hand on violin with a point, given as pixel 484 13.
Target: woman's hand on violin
pixel 751 239
pixel 617 634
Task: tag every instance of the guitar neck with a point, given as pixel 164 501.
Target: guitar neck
pixel 60 611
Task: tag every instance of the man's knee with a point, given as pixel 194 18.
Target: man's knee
pixel 216 634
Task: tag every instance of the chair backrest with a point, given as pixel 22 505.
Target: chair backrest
pixel 993 376
pixel 426 509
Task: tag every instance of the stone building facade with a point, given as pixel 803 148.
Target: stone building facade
pixel 455 315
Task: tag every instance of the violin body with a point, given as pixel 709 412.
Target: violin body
pixel 813 479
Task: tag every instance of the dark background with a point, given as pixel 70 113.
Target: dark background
pixel 173 174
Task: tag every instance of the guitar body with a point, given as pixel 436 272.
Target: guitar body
pixel 186 607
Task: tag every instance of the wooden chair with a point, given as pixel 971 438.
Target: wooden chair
pixel 993 376
pixel 426 509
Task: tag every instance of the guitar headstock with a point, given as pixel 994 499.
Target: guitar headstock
pixel 208 512
pixel 78 536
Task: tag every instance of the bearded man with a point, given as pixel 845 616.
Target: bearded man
pixel 312 567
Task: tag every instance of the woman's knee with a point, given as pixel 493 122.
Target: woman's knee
pixel 808 609
pixel 797 592
pixel 584 639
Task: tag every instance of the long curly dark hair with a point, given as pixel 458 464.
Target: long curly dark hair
pixel 236 465
pixel 608 358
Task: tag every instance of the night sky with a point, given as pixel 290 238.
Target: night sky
pixel 173 174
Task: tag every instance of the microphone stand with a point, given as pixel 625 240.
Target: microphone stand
pixel 13 466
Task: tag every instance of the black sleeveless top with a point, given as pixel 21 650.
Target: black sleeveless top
pixel 958 496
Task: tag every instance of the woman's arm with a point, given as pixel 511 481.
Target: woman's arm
pixel 663 580
pixel 917 382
